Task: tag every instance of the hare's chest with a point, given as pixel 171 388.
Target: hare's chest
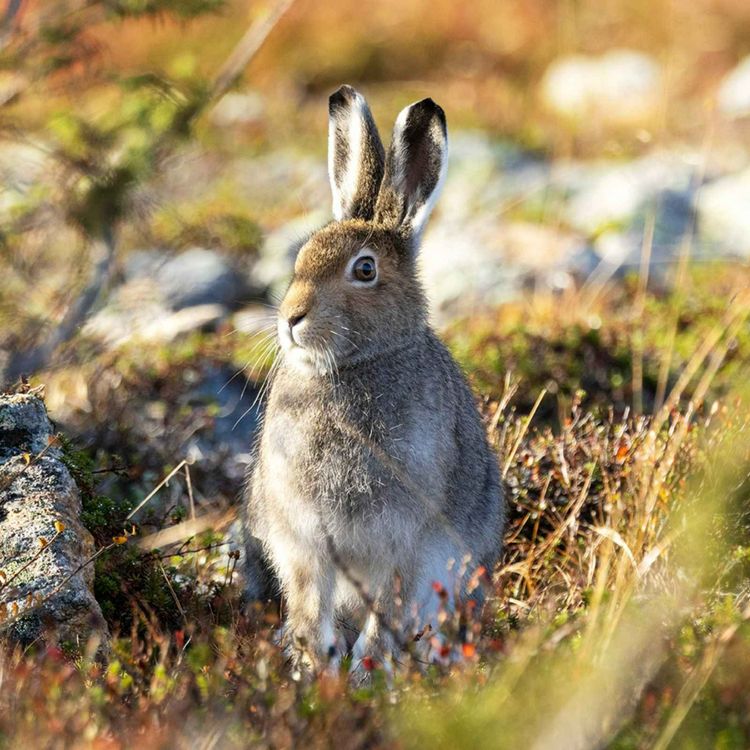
pixel 344 459
pixel 354 459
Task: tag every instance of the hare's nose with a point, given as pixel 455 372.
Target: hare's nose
pixel 296 318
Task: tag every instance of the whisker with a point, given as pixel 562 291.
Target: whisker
pixel 267 382
pixel 261 392
pixel 263 342
pixel 269 351
pixel 268 324
pixel 345 337
pixel 355 333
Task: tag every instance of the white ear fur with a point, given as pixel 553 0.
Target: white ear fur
pixel 355 155
pixel 420 203
pixel 344 184
pixel 415 169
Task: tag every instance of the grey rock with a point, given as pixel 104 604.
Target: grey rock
pixel 141 264
pixel 137 311
pixel 468 265
pixel 228 441
pixel 201 277
pixel 22 167
pixel 116 325
pixel 605 194
pixel 35 492
pixel 486 176
pixel 672 218
pixel 166 296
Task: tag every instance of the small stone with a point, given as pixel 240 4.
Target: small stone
pixel 723 216
pixel 238 108
pixel 201 277
pixel 470 265
pixel 734 91
pixel 618 88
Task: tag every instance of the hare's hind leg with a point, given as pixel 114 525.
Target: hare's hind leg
pixel 381 637
pixel 440 577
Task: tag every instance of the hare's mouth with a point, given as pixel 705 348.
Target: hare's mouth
pixel 304 356
pixel 310 361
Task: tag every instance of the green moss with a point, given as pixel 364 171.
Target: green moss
pixel 101 515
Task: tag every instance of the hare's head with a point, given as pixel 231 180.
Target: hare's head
pixel 355 293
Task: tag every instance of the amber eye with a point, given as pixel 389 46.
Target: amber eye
pixel 365 269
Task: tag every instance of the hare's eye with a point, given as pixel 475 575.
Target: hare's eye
pixel 365 269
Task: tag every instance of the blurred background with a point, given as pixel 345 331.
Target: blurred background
pixel 585 263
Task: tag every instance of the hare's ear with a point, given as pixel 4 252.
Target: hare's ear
pixel 415 168
pixel 355 155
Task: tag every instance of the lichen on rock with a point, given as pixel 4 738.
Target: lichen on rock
pixel 43 570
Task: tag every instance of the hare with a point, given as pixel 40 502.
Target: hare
pixel 372 477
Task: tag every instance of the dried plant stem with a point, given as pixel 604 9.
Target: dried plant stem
pixel 522 433
pixel 173 593
pixel 247 48
pixel 153 492
pixel 638 310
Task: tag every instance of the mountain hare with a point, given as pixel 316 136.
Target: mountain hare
pixel 372 478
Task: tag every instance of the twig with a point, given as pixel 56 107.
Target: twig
pixel 638 310
pixel 189 483
pixel 187 529
pixel 174 594
pixel 246 49
pixel 522 432
pixel 156 489
pixel 193 551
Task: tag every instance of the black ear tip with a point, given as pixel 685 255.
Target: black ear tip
pixel 430 108
pixel 342 97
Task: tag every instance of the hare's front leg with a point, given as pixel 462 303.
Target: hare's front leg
pixel 380 638
pixel 310 635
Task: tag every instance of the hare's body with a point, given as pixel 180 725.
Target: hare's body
pixel 388 466
pixel 373 478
